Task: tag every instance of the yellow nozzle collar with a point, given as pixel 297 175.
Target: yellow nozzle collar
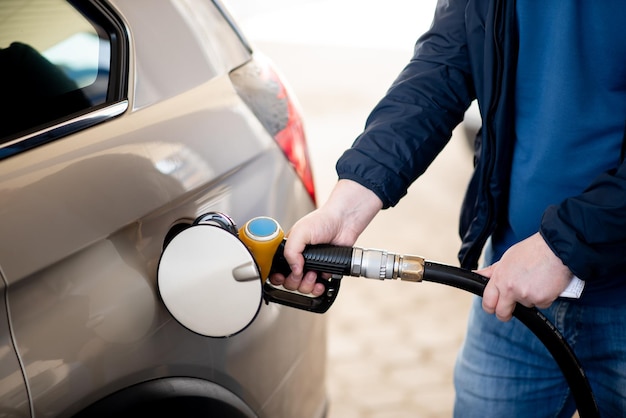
pixel 262 236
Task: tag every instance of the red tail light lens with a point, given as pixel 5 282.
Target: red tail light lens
pixel 268 97
pixel 292 140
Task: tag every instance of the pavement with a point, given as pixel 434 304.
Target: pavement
pixel 391 345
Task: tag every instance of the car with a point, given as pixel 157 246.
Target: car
pixel 123 121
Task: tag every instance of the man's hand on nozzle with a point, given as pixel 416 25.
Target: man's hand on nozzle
pixel 340 221
pixel 314 228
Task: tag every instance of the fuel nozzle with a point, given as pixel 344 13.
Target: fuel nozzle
pixel 356 262
pixel 264 238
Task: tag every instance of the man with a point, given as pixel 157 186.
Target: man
pixel 547 201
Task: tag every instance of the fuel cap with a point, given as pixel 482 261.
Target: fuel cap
pixel 209 281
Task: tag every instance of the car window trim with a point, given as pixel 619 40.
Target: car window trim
pixel 73 125
pixel 119 36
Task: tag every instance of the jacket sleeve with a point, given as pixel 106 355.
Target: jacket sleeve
pixel 414 120
pixel 588 232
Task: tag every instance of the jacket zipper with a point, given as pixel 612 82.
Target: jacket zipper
pixel 473 254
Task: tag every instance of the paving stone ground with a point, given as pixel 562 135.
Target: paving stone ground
pixel 392 345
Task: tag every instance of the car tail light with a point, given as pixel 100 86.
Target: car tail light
pixel 267 95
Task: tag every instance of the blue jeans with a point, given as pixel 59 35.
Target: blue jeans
pixel 503 370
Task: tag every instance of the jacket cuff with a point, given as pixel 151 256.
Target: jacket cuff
pixel 587 261
pixel 359 167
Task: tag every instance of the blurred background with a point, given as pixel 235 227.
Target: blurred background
pixel 391 345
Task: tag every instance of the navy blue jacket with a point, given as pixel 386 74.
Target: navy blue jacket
pixel 470 53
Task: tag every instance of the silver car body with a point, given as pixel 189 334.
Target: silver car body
pixel 84 219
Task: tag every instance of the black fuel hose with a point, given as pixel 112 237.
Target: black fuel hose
pixel 382 265
pixel 536 322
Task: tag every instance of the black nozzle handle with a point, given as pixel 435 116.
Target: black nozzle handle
pixel 323 258
pixel 331 259
pixel 328 259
